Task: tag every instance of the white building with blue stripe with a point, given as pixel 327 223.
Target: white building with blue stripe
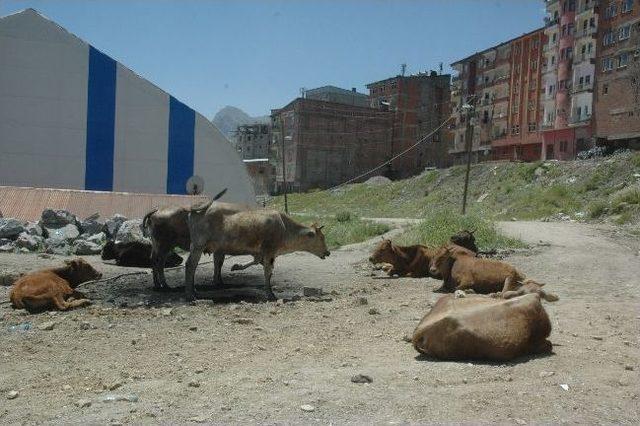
pixel 72 117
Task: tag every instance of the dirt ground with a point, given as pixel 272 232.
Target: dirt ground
pixel 261 362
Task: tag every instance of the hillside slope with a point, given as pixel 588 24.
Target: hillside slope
pixel 603 189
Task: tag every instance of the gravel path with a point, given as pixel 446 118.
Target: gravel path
pixel 268 362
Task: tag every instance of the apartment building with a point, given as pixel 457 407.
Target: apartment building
pixel 504 84
pixel 617 91
pixel 327 143
pixel 418 103
pixel 253 141
pixel 568 77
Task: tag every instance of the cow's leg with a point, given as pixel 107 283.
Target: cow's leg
pixel 218 260
pixel 448 285
pixel 510 283
pixel 190 271
pixel 268 271
pixel 240 267
pixel 159 264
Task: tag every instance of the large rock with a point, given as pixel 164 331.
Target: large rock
pixel 130 231
pixel 10 228
pixel 30 242
pixel 57 246
pixel 7 248
pixel 57 219
pixel 114 224
pixel 34 228
pixel 99 238
pixel 91 226
pixel 66 233
pixel 83 248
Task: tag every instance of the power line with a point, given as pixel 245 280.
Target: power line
pixel 394 157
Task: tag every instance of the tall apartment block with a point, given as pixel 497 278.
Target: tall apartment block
pixel 418 103
pixel 617 91
pixel 504 83
pixel 568 77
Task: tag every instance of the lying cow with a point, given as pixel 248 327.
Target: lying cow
pixel 466 239
pixel 461 271
pixel 528 286
pixel 404 261
pixel 265 234
pixel 168 228
pixel 51 288
pixel 480 327
pixel 134 254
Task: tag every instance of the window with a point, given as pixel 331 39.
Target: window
pixel 564 145
pixel 535 43
pixel 584 24
pixel 605 89
pixel 623 60
pixel 587 79
pixel 624 32
pixel 554 38
pixel 611 11
pixel 627 6
pixel 532 127
pixel 607 64
pixel 534 64
pixel 564 30
pixel 592 22
pixel 553 60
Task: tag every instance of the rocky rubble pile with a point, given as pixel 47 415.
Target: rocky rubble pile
pixel 61 232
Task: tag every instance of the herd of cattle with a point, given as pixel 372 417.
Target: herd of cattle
pixel 494 311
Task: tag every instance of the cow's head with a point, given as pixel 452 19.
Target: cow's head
pixel 441 262
pixel 466 239
pixel 79 270
pixel 383 253
pixel 313 241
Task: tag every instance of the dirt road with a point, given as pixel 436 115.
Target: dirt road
pixel 261 362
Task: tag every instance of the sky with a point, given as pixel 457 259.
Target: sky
pixel 257 55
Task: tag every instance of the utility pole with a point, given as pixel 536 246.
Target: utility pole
pixel 284 175
pixel 470 109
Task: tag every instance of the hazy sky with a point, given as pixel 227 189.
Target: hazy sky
pixel 256 55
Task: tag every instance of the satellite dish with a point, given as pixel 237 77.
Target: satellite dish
pixel 195 185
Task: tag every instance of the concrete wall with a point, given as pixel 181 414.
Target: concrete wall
pixel 72 117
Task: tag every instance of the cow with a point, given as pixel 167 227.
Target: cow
pixel 135 254
pixel 528 286
pixel 466 239
pixel 404 261
pixel 481 327
pixel 461 271
pixel 51 288
pixel 168 228
pixel 265 234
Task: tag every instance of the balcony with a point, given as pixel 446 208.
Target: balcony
pixel 548 22
pixel 582 87
pixel 583 57
pixel 579 119
pixel 587 32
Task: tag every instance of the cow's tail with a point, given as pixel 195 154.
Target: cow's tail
pixel 198 208
pixel 145 221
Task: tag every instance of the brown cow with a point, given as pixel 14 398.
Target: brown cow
pixel 466 239
pixel 528 286
pixel 265 234
pixel 50 288
pixel 168 228
pixel 405 261
pixel 481 327
pixel 461 271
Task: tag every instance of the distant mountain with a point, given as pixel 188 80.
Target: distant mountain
pixel 229 118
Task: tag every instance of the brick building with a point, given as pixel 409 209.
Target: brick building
pixel 571 29
pixel 504 83
pixel 328 143
pixel 617 93
pixel 338 95
pixel 253 141
pixel 418 105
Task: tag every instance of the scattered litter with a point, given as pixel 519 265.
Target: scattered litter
pixel 20 328
pixel 564 386
pixel 131 397
pixel 12 394
pixel 308 408
pixel 361 378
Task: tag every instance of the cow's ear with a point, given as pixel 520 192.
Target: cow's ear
pixel 319 228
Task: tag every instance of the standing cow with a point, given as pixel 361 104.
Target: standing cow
pixel 265 234
pixel 168 228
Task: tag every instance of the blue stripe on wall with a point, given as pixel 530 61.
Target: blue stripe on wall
pixel 182 120
pixel 101 112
